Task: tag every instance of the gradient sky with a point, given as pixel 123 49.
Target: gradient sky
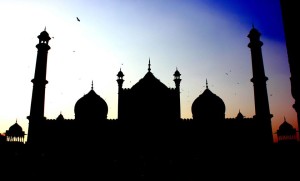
pixel 204 39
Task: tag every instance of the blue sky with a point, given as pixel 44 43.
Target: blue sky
pixel 204 39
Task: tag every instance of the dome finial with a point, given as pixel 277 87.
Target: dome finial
pixel 149 69
pixel 92 85
pixel 206 84
pixel 45 28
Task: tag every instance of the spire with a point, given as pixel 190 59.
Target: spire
pixel 92 85
pixel 45 28
pixel 206 84
pixel 120 74
pixel 149 69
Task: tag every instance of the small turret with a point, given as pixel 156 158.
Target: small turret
pixel 177 79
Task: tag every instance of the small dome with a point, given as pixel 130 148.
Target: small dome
pixel 44 36
pixel 91 107
pixel 177 73
pixel 286 129
pixel 15 130
pixel 120 74
pixel 208 105
pixel 254 33
pixel 60 117
pixel 240 115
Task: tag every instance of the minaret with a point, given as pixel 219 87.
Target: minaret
pixel 36 117
pixel 262 110
pixel 177 81
pixel 120 81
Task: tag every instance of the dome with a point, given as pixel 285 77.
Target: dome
pixel 176 73
pixel 15 130
pixel 120 74
pixel 240 115
pixel 286 129
pixel 91 107
pixel 149 83
pixel 44 36
pixel 208 105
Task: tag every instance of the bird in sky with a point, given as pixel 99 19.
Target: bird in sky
pixel 78 19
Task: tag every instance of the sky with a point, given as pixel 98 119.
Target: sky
pixel 204 40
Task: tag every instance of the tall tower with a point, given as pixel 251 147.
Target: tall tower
pixel 290 15
pixel 177 81
pixel 262 110
pixel 36 117
pixel 120 81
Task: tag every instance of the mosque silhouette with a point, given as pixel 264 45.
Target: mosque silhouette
pixel 149 140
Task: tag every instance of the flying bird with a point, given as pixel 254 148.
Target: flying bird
pixel 78 19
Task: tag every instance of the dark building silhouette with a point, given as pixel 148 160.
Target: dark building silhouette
pixel 15 134
pixel 262 111
pixel 150 110
pixel 290 15
pixel 36 117
pixel 286 133
pixel 149 140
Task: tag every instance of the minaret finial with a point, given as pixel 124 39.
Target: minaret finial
pixel 149 69
pixel 206 84
pixel 92 85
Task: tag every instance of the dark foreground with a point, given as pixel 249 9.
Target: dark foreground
pixel 136 163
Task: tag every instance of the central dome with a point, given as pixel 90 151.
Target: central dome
pixel 91 107
pixel 149 83
pixel 208 106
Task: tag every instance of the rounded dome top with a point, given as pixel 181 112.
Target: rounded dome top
pixel 208 105
pixel 286 129
pixel 91 107
pixel 44 36
pixel 120 74
pixel 149 83
pixel 176 73
pixel 15 130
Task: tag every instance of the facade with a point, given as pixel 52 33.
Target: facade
pixel 150 111
pixel 150 107
pixel 149 139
